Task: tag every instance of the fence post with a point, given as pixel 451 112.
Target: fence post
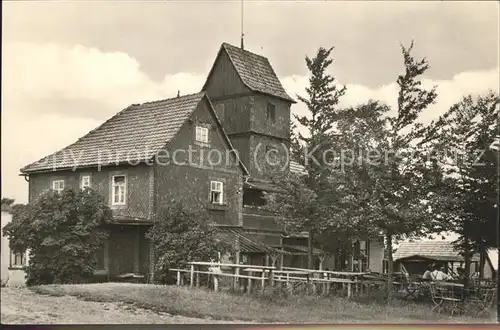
pixel 263 280
pixel 249 287
pixel 192 276
pixel 178 278
pixel 216 282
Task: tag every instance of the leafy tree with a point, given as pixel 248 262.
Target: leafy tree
pixel 400 186
pixel 384 177
pixel 63 233
pixel 322 100
pixel 467 134
pixel 7 201
pixel 181 234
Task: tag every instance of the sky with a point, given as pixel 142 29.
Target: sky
pixel 68 66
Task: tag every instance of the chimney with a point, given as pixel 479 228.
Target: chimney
pixel 178 93
pixel 242 47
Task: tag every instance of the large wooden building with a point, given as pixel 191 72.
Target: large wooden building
pixel 242 107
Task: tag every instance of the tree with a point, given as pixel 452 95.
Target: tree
pixel 63 233
pixel 322 99
pixel 466 137
pixel 7 201
pixel 389 179
pixel 181 234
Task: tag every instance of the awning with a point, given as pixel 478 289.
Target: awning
pixel 414 257
pixel 301 250
pixel 247 244
pixel 261 185
pixel 124 220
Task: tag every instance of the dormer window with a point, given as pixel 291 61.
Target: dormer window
pixel 271 113
pixel 201 134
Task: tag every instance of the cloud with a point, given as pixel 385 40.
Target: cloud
pixel 52 94
pixel 42 73
pixel 449 91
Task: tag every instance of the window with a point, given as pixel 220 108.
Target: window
pixel 119 190
pixel 58 185
pixel 17 259
pixel 201 134
pixel 253 198
pixel 271 112
pixel 85 181
pixel 361 256
pixel 216 192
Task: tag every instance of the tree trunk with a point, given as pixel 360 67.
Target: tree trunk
pixel 310 260
pixel 482 260
pixel 390 267
pixel 467 268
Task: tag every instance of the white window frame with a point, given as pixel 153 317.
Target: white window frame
pixel 113 185
pixel 217 186
pixel 56 185
pixel 201 134
pixel 13 259
pixel 82 180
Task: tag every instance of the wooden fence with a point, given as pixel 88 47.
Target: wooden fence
pixel 355 283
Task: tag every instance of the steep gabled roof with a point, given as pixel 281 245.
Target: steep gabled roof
pixel 133 135
pixel 437 250
pixel 255 72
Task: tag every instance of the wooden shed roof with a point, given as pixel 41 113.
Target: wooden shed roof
pixel 436 250
pixel 247 244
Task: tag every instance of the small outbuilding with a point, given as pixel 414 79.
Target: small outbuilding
pixel 414 257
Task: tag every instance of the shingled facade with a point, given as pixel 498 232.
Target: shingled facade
pixel 149 154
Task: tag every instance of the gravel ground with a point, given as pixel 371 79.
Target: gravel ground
pixel 20 305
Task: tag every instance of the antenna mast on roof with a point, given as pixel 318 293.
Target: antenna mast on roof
pixel 242 34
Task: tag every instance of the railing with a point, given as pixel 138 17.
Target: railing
pixel 269 276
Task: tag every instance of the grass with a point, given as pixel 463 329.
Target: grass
pixel 202 303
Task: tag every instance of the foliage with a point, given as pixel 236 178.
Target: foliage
pixel 390 177
pixel 467 134
pixel 7 201
pixel 306 202
pixel 181 234
pixel 62 232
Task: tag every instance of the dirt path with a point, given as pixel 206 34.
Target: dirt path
pixel 20 305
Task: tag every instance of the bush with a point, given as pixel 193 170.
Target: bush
pixel 180 235
pixel 63 232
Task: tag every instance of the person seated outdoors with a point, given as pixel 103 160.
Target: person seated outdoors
pixel 440 275
pixel 460 274
pixel 428 273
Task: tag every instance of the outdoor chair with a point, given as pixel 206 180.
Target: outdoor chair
pixel 445 298
pixel 480 300
pixel 414 287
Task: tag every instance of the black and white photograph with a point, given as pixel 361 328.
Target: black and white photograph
pixel 250 162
